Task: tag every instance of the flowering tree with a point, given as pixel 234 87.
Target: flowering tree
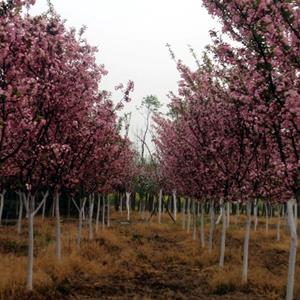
pixel 54 121
pixel 268 62
pixel 233 114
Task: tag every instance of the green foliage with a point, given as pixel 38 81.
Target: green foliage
pixel 151 103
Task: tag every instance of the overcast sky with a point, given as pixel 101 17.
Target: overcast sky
pixel 131 36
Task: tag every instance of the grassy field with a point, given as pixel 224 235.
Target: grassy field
pixel 144 261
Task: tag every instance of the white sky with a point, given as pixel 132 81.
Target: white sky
pixel 131 36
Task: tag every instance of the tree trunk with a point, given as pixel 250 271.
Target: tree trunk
pixel 140 205
pixel 30 242
pixel 133 202
pixel 103 212
pixel 212 227
pixel 98 213
pixel 91 211
pixel 57 227
pixel 293 251
pixel 175 205
pixel 53 209
pixel 296 215
pixel 159 205
pixel 278 224
pixel 188 215
pixel 1 205
pixel 83 216
pixel 80 212
pixel 143 207
pixel 223 236
pixel 108 212
pixel 194 220
pixel 202 233
pixel 228 215
pixel 128 205
pixel 246 243
pixel 183 214
pixel 79 230
pixel 255 215
pixel 43 210
pixel 121 204
pixel 20 214
pixel 267 218
pixel 29 202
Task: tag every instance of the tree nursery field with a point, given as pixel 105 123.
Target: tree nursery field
pixel 199 201
pixel 145 260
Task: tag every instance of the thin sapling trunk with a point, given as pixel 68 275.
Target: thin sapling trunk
pixel 159 206
pixel 223 236
pixel 31 211
pixel 188 215
pixel 57 226
pixel 202 233
pixel 128 194
pixel 194 220
pixel 212 227
pixel 246 243
pixel 175 205
pixel 103 212
pixel 91 211
pixel 2 195
pixel 183 214
pixel 293 251
pixel 20 213
pixel 98 213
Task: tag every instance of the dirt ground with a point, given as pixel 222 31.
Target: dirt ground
pixel 144 260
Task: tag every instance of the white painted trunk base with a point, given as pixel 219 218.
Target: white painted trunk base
pixel 98 213
pixel 296 215
pixel 246 243
pixel 278 224
pixel 91 212
pixel 202 233
pixel 20 213
pixel 103 212
pixel 293 251
pixel 79 230
pixel 228 215
pixel 183 213
pixel 31 211
pixel 255 216
pixel 108 213
pixel 159 206
pixel 128 194
pixel 29 283
pixel 188 216
pixel 212 227
pixel 175 205
pixel 223 236
pixel 44 209
pixel 57 227
pixel 267 218
pixel 194 220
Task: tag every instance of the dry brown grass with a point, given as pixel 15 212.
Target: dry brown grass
pixel 144 261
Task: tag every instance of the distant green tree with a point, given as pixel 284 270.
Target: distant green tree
pixel 149 106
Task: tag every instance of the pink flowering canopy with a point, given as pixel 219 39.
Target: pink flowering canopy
pixel 54 122
pixel 235 127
